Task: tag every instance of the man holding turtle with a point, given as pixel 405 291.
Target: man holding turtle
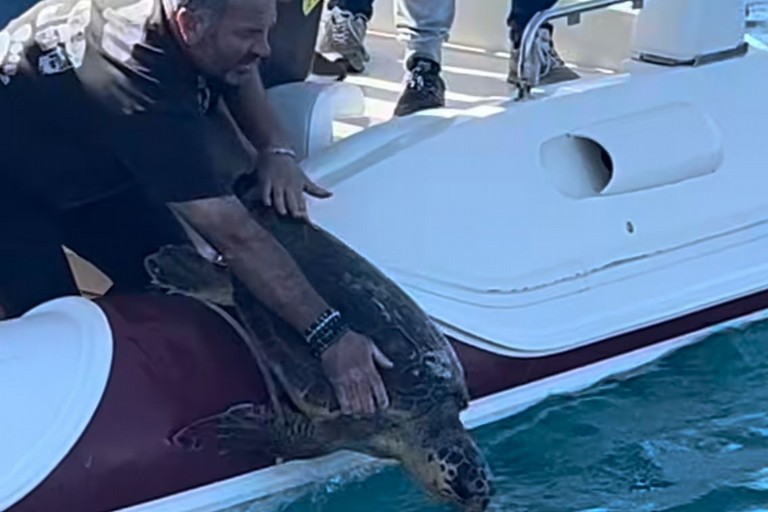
pixel 113 113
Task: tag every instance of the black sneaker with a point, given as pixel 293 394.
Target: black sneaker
pixel 331 69
pixel 343 33
pixel 424 88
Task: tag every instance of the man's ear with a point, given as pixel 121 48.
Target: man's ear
pixel 191 27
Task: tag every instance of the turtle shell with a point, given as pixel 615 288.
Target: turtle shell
pixel 426 369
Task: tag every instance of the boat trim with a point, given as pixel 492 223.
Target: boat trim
pixel 700 60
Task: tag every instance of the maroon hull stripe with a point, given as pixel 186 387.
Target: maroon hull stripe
pixel 490 373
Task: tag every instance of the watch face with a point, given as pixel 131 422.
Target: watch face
pixel 54 62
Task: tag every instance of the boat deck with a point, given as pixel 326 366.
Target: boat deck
pixel 473 77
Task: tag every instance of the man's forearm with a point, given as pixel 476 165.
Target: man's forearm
pixel 256 258
pixel 273 277
pixel 249 106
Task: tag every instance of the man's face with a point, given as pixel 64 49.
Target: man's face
pixel 233 44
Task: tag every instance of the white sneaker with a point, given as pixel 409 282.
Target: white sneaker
pixel 342 33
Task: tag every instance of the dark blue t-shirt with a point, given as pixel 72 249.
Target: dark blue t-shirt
pixel 97 95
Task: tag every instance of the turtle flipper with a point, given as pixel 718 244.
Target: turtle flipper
pixel 248 428
pixel 181 269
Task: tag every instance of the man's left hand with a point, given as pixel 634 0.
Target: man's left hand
pixel 282 184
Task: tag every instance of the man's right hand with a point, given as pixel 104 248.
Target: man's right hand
pixel 349 365
pixel 282 184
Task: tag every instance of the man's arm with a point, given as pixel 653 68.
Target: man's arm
pixel 265 267
pixel 282 183
pixel 271 274
pixel 249 106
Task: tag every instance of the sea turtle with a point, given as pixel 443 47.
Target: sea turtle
pixel 427 390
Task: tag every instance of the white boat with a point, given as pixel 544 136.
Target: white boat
pixel 557 234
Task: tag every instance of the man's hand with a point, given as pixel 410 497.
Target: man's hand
pixel 282 184
pixel 349 365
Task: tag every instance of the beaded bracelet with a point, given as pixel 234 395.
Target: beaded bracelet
pixel 321 321
pixel 325 331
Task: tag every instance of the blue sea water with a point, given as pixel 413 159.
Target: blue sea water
pixel 688 433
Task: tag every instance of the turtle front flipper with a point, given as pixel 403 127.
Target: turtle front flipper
pixel 181 269
pixel 248 428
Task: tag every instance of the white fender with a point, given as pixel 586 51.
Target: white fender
pixel 55 362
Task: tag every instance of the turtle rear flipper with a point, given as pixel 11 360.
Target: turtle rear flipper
pixel 181 269
pixel 247 428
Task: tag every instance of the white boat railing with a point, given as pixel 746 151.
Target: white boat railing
pixel 528 74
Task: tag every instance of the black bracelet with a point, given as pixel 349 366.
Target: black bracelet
pixel 325 331
pixel 321 321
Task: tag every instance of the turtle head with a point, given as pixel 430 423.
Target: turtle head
pixel 181 269
pixel 448 463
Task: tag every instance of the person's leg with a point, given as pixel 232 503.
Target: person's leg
pixel 521 12
pixel 362 7
pixel 552 69
pixel 33 267
pixel 117 233
pixel 293 44
pixel 423 26
pixel 342 33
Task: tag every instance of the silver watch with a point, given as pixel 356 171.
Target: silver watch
pixel 283 151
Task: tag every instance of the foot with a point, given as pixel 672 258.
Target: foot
pixel 552 68
pixel 424 88
pixel 341 35
pixel 335 70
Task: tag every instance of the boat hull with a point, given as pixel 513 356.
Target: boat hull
pixel 176 360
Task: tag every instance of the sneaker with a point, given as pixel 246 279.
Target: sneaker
pixel 342 33
pixel 333 70
pixel 424 88
pixel 552 68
